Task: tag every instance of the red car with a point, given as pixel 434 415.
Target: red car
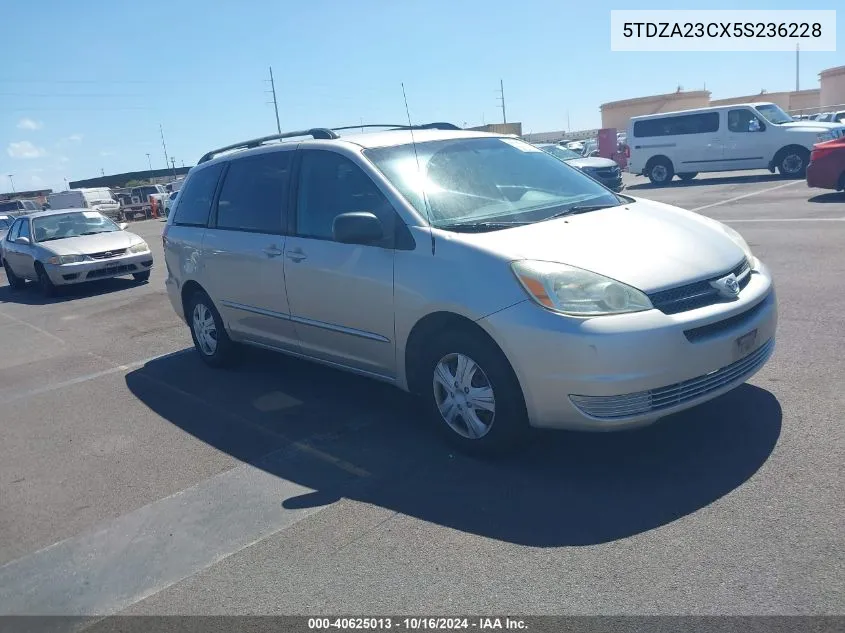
pixel 827 165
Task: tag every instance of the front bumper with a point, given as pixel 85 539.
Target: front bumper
pixel 624 371
pixel 66 274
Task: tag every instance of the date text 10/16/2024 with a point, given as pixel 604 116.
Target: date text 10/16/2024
pixel 417 624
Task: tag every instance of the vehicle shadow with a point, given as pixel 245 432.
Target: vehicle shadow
pixel 368 442
pixel 703 181
pixel 30 294
pixel 833 196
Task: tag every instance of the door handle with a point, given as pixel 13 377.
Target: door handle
pixel 296 255
pixel 272 251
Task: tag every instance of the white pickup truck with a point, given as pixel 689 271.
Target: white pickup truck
pixel 142 197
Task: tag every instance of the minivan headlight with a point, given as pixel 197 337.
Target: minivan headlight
pixel 825 136
pixel 577 292
pixel 140 247
pixel 58 260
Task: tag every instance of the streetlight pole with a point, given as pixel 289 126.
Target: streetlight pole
pixel 150 163
pixel 12 180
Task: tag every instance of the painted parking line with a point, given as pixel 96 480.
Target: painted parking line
pixel 747 195
pixel 124 560
pixel 33 327
pixel 785 220
pixel 21 395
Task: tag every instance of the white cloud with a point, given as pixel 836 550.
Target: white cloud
pixel 106 153
pixel 75 138
pixel 29 124
pixel 64 159
pixel 24 149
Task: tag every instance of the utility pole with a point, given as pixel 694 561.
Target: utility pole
pixel 12 180
pixel 164 147
pixel 150 163
pixel 502 99
pixel 102 171
pixel 797 48
pixel 183 164
pixel 173 166
pixel 568 127
pixel 275 103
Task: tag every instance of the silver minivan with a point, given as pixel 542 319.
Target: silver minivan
pixel 503 286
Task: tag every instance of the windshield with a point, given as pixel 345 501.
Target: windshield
pixel 5 223
pixel 560 152
pixel 64 225
pixel 487 180
pixel 774 114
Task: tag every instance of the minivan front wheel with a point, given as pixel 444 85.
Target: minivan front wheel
pixel 473 394
pixel 210 337
pixel 660 171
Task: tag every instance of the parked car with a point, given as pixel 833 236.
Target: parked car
pixel 604 170
pixel 99 199
pixel 17 207
pixel 5 222
pixel 169 202
pixel 71 246
pixel 723 138
pixel 504 287
pixel 827 165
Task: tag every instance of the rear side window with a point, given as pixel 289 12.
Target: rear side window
pixel 254 194
pixel 195 201
pixel 704 123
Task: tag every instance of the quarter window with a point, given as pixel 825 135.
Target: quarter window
pixel 14 231
pixel 254 194
pixel 195 202
pixel 331 184
pixel 24 229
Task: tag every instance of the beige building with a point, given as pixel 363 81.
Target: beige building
pixel 618 113
pixel 831 92
pixel 832 83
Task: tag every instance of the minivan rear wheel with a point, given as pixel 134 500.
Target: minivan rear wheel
pixel 208 333
pixel 660 171
pixel 473 395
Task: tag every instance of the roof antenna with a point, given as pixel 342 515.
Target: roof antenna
pixel 417 158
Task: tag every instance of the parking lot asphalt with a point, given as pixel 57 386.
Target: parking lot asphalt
pixel 135 480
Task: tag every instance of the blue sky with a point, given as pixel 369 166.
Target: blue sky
pixel 84 85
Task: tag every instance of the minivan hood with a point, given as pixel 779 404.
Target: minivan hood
pixel 646 244
pixel 86 244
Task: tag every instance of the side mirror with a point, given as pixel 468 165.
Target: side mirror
pixel 123 226
pixel 22 240
pixel 360 227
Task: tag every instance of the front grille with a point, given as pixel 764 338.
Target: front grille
pixel 696 334
pixel 109 272
pixel 611 407
pixel 108 254
pixel 698 294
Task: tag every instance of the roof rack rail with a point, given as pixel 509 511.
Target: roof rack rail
pixel 399 126
pixel 317 132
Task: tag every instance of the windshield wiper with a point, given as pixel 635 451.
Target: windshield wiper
pixel 55 237
pixel 469 227
pixel 581 208
pixel 95 232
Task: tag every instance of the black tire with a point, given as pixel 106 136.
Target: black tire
pixel 687 176
pixel 44 283
pixel 660 171
pixel 508 424
pixel 16 283
pixel 792 162
pixel 841 185
pixel 221 352
pixel 141 277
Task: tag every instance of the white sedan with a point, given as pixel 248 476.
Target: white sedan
pixel 70 246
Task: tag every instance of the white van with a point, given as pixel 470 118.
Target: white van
pixel 723 138
pixel 96 198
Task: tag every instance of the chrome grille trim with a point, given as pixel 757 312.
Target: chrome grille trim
pixel 697 294
pixel 610 407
